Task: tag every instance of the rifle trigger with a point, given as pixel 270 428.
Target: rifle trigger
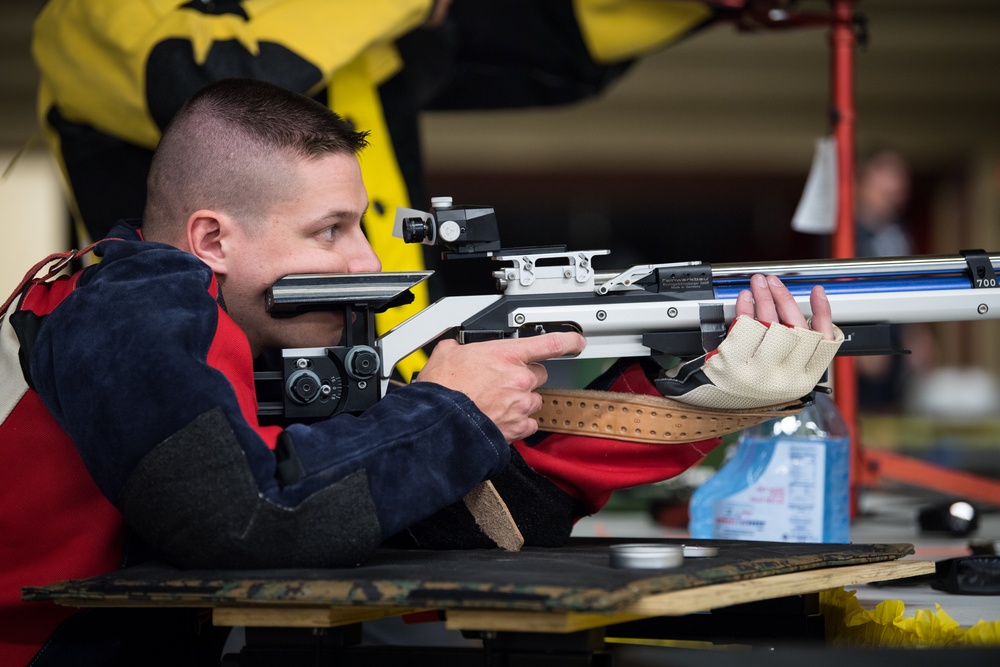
pixel 713 325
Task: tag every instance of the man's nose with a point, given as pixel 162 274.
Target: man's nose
pixel 364 259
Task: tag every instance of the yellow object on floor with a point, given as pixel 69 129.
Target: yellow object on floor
pixel 850 624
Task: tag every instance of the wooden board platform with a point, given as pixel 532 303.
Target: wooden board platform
pixel 535 590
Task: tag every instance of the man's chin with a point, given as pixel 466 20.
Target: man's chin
pixel 312 337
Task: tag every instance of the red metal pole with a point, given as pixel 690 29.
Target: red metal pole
pixel 868 466
pixel 843 42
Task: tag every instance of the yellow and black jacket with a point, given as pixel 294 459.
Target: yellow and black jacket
pixel 113 75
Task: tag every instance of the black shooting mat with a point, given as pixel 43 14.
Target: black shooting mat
pixel 573 578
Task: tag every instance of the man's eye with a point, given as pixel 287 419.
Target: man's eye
pixel 330 232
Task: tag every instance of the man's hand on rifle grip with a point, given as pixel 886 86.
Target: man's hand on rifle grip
pixel 501 376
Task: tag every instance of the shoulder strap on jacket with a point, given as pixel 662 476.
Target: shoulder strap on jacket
pixel 58 261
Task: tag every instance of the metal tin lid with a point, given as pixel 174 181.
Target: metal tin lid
pixel 646 556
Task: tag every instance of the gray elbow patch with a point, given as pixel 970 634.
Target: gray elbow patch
pixel 194 499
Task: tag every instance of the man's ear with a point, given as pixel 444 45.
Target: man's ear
pixel 208 236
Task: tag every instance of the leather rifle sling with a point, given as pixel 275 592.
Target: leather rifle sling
pixel 641 418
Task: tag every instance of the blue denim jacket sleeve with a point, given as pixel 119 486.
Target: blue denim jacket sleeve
pixel 423 447
pixel 122 366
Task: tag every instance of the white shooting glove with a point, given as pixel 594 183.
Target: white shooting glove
pixel 756 365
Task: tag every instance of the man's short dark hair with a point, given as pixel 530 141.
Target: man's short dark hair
pixel 276 117
pixel 229 147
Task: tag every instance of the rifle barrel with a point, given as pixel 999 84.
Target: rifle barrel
pixel 852 268
pixel 850 276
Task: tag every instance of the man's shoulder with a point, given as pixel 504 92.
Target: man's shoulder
pixel 125 242
pixel 133 261
pixel 139 285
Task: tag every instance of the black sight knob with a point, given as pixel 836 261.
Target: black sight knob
pixel 364 363
pixel 304 386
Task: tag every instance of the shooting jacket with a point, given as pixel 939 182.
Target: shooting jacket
pixel 131 432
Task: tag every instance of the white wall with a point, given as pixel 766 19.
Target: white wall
pixel 33 215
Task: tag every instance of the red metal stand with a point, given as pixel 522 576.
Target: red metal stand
pixel 842 45
pixel 868 466
pixel 879 464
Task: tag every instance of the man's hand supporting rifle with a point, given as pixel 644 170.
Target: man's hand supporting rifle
pixel 758 364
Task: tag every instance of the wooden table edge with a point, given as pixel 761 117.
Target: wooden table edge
pixel 689 600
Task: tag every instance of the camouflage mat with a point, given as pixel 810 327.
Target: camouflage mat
pixel 577 577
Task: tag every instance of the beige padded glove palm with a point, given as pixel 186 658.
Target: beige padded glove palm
pixel 757 365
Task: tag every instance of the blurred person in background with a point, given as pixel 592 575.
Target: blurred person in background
pixel 882 195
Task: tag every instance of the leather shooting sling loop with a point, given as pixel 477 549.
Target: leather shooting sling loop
pixel 55 263
pixel 641 418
